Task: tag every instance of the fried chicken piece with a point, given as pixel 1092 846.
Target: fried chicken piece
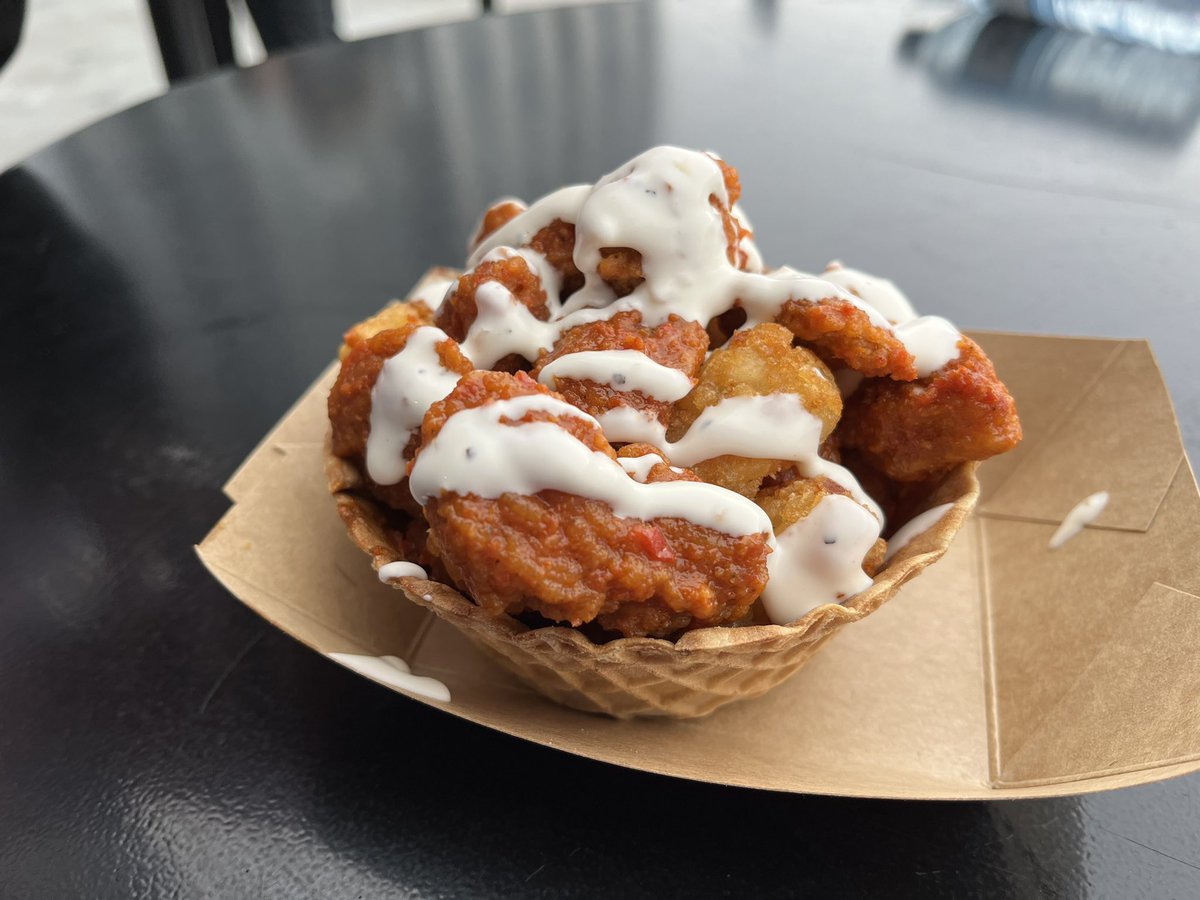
pixel 676 343
pixel 395 315
pixel 839 331
pixel 350 404
pixel 459 309
pixel 570 558
pixel 621 269
pixel 789 503
pixel 917 430
pixel 759 361
pixel 494 218
pixel 556 242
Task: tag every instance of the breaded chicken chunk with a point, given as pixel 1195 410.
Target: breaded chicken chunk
pixel 494 218
pixel 916 430
pixel 841 332
pixel 405 314
pixel 570 558
pixel 350 404
pixel 675 343
pixel 459 309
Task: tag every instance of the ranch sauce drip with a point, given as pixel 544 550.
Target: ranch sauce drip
pixel 639 467
pixel 621 370
pixel 433 292
pixel 915 527
pixel 819 559
pixel 400 569
pixel 657 204
pixel 758 426
pixel 409 383
pixel 475 453
pixel 394 672
pixel 879 292
pixel 1084 513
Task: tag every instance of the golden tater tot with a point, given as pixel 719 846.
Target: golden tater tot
pixel 759 361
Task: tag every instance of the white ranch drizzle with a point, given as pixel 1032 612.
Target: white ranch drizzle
pixel 771 426
pixel 410 382
pixel 819 559
pixel 394 672
pixel 658 203
pixel 818 467
pixel 475 454
pixel 914 528
pixel 561 204
pixel 879 292
pixel 504 325
pixel 400 569
pixel 932 341
pixel 538 264
pixel 758 426
pixel 621 370
pixel 626 425
pixel 1085 512
pixel 639 467
pixel 432 293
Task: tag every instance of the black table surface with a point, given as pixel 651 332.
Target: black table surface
pixel 173 277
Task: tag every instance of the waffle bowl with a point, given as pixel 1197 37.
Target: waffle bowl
pixel 692 676
pixel 1007 670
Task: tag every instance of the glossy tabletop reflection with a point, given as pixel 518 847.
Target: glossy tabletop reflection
pixel 172 278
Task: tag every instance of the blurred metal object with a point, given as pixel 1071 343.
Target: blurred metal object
pixel 1170 25
pixel 1138 90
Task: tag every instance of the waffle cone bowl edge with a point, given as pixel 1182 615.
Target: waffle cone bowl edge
pixel 692 676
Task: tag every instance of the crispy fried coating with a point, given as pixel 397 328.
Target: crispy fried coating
pixel 662 471
pixel 788 503
pixel 395 315
pixel 494 218
pixel 733 181
pixel 676 343
pixel 758 361
pixel 621 269
pixel 840 331
pixel 556 242
pixel 350 404
pixel 570 559
pixel 917 430
pixel 459 309
pixel 735 229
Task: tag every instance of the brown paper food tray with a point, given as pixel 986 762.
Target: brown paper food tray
pixel 1004 670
